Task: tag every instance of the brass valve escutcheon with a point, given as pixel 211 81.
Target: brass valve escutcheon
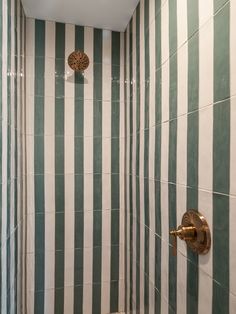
pixel 194 230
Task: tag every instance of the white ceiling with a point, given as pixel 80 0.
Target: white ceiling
pixel 107 14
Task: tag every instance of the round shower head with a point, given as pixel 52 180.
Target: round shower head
pixel 78 61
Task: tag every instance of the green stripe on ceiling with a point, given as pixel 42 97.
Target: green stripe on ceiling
pixel 115 180
pixel 221 160
pixel 131 161
pixel 59 169
pixel 146 156
pixel 173 82
pixel 39 165
pixel 97 169
pixel 79 180
pixel 192 144
pixel 137 159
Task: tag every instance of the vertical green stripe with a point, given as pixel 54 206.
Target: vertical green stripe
pixel 16 54
pixel 125 170
pixel 219 4
pixel 221 159
pixel 9 138
pixel 137 159
pixel 192 145
pixel 59 169
pixel 146 157
pixel 172 147
pixel 115 180
pixel 1 26
pixel 158 119
pixel 39 165
pixel 131 160
pixel 79 180
pixel 97 169
pixel 221 55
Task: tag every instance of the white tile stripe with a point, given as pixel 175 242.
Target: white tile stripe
pixel 49 169
pixel 88 178
pixel 69 174
pixel 164 156
pixel 181 23
pixel 181 257
pixel 165 32
pixel 181 174
pixel 182 57
pixel 205 149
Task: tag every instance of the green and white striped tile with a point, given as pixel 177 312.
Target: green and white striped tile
pixel 194 78
pixel 75 228
pixel 11 38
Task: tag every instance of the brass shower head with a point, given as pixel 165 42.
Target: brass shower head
pixel 78 61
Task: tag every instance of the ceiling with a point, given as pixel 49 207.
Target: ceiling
pixel 106 14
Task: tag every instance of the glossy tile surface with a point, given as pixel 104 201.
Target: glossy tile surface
pixel 188 138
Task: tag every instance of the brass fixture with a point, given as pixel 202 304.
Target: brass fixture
pixel 78 61
pixel 195 231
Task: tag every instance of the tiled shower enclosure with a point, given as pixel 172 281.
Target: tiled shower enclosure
pixel 98 167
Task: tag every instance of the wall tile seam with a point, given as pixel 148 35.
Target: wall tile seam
pixel 77 285
pixel 195 265
pixel 67 136
pixel 199 110
pixel 86 99
pixel 190 37
pixel 30 213
pixel 190 261
pixel 196 188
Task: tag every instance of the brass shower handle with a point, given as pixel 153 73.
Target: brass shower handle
pixel 184 233
pixel 195 231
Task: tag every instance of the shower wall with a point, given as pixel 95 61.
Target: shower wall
pixel 11 147
pixel 75 170
pixel 181 154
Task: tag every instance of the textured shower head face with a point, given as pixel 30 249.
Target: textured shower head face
pixel 78 61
